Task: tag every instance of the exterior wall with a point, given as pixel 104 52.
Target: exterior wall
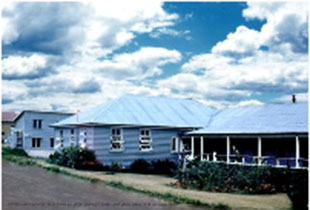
pixel 25 124
pixel 66 136
pixel 76 135
pixel 161 144
pixel 19 126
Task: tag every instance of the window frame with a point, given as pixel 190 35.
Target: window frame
pixel 37 124
pixel 34 123
pixel 36 142
pixel 61 138
pixel 72 137
pixel 116 138
pixel 40 124
pixel 19 138
pixel 145 133
pixel 52 142
pixel 82 138
pixel 174 142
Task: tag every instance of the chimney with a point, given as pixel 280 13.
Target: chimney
pixel 293 99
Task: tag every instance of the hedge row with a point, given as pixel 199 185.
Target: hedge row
pixel 154 167
pixel 220 177
pixel 85 159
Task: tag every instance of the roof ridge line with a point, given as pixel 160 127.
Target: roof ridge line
pixel 215 112
pixel 105 111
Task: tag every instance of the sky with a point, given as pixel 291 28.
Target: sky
pixel 69 56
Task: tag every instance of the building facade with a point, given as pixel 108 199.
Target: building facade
pixel 274 134
pixel 133 127
pixel 156 128
pixel 33 133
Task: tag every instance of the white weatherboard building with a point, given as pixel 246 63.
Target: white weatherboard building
pixel 33 133
pixel 153 128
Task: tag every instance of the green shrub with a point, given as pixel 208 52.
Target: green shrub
pixel 163 167
pixel 116 167
pixel 155 167
pixel 220 177
pixel 15 151
pixel 140 166
pixel 76 157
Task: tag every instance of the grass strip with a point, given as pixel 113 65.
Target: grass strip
pixel 164 196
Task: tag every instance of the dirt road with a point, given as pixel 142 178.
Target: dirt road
pixel 26 187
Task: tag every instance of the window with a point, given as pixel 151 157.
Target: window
pixel 83 139
pixel 19 138
pixel 174 144
pixel 145 140
pixel 61 136
pixel 52 142
pixel 72 142
pixel 36 142
pixel 83 135
pixel 116 140
pixel 37 124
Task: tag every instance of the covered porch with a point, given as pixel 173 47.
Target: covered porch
pixel 279 150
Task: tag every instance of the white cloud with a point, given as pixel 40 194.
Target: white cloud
pixel 72 83
pixel 55 93
pixel 264 71
pixel 243 41
pixel 202 87
pixel 203 62
pixel 115 24
pixel 237 68
pixel 286 26
pixel 248 103
pixel 285 30
pixel 171 32
pixel 12 90
pixel 261 10
pixel 145 62
pixel 9 32
pixel 96 28
pixel 81 35
pixel 19 66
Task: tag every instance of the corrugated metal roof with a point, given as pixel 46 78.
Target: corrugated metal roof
pixel 145 111
pixel 273 118
pixel 40 112
pixel 8 116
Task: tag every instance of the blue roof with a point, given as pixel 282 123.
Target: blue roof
pixel 273 118
pixel 145 111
